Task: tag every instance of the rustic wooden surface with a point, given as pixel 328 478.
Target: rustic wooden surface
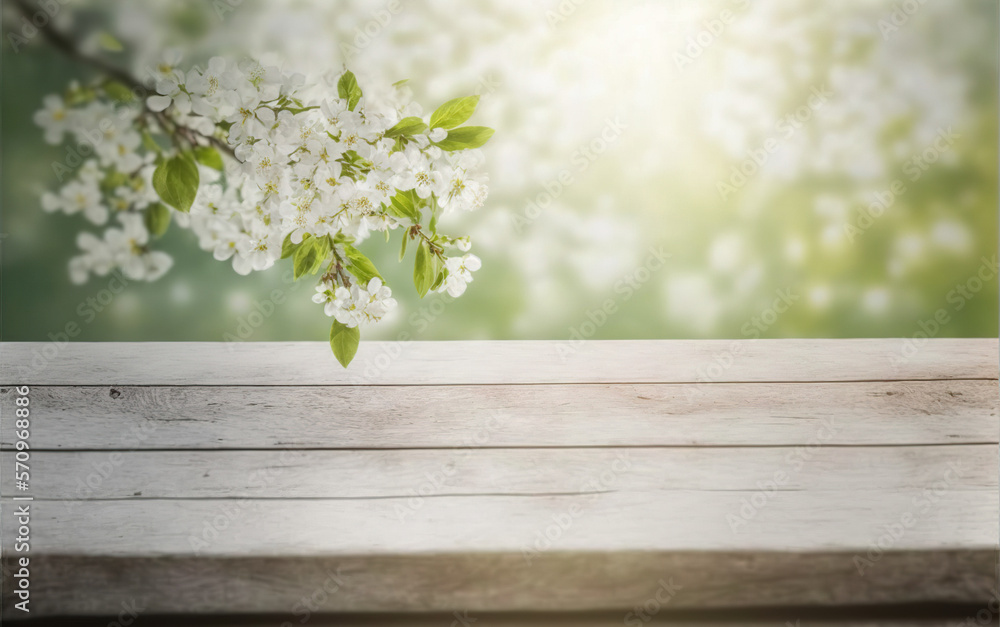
pixel 437 363
pixel 446 416
pixel 195 478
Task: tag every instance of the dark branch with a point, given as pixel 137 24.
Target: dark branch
pixel 67 46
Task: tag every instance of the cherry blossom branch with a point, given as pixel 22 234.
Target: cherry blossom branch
pixel 67 46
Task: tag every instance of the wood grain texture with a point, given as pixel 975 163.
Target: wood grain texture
pixel 526 362
pixel 404 474
pixel 677 521
pixel 725 414
pixel 783 617
pixel 509 476
pixel 556 581
pixel 911 616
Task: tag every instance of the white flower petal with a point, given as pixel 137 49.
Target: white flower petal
pixel 158 103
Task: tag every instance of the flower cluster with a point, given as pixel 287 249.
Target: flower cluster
pixel 263 166
pixel 359 304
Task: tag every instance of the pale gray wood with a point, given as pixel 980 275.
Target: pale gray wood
pixel 174 529
pixel 655 472
pixel 869 413
pixel 437 363
pixel 677 521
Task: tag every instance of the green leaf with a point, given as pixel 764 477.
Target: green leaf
pixel 424 269
pixel 352 157
pixel 344 341
pixel 402 206
pixel 360 266
pixel 118 91
pixel 157 219
pixel 288 247
pixel 107 41
pixel 210 157
pixel 454 112
pixel 402 250
pixel 349 90
pixel 176 181
pixel 442 275
pixel 466 137
pixel 407 127
pixel 309 256
pixel 298 110
pixel 304 260
pixel 400 83
pixel 432 225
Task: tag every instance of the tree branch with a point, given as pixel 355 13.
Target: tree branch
pixel 67 46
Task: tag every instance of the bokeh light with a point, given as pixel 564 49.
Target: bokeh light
pixel 758 144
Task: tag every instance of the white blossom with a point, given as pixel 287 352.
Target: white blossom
pixel 301 171
pixel 460 271
pixel 78 196
pixel 54 118
pixel 358 305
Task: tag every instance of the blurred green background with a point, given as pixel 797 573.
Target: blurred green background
pixel 645 108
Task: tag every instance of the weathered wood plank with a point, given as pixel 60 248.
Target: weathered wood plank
pixel 844 520
pixel 917 615
pixel 758 481
pixel 439 363
pixel 736 618
pixel 874 413
pixel 948 616
pixel 556 581
pixel 404 474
